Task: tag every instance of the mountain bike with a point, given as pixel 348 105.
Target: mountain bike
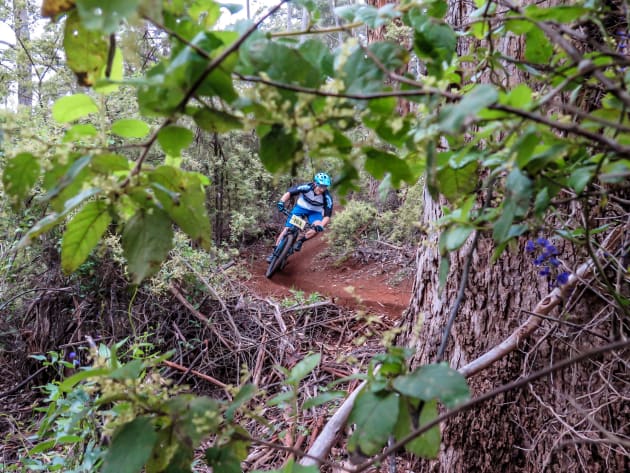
pixel 285 247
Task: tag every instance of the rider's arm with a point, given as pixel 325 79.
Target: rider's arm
pixel 285 197
pixel 325 221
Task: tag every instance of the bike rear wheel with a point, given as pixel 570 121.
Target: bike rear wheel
pixel 279 260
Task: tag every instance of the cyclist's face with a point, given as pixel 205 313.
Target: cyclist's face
pixel 320 189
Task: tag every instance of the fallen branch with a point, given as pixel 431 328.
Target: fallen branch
pixel 212 380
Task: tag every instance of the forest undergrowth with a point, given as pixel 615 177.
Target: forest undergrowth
pixel 219 333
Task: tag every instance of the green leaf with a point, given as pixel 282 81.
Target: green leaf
pixel 107 85
pixel 278 148
pixel 303 368
pixel 131 370
pixel 323 399
pixel 109 163
pixel 452 117
pixel 457 182
pixel 538 48
pixel 378 163
pixel 445 265
pixel 131 447
pixel 69 384
pixel 83 233
pixel 19 176
pixel 105 16
pixel 375 416
pixel 72 107
pixel 68 180
pixel 245 394
pixel 183 197
pixel 86 51
pixel 173 139
pixel 434 41
pixel 456 235
pixel 197 417
pixel 216 121
pixel 426 445
pixel 227 458
pixel 77 132
pixel 130 128
pixel 360 73
pixel 435 381
pixel 580 178
pixel 146 240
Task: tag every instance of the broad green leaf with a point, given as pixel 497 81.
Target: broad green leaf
pixel 456 235
pixel 360 73
pixel 282 399
pixel 303 368
pixel 278 148
pixel 197 416
pixel 434 41
pixel 69 384
pixel 559 14
pixel 67 181
pixel 51 220
pixel 435 381
pixel 426 445
pixel 19 176
pixel 146 240
pixel 616 172
pixel 104 85
pixel 538 48
pixel 580 178
pixel 323 399
pixel 227 458
pixel 109 163
pixel 72 107
pixel 443 269
pixel 165 448
pixel 216 121
pixel 86 51
pixel 317 53
pixel 183 197
pixel 79 131
pixel 130 128
pixel 378 163
pixel 245 394
pixel 83 233
pixel 131 447
pixel 456 183
pixel 375 416
pixel 105 16
pixel 131 370
pixel 452 117
pixel 173 139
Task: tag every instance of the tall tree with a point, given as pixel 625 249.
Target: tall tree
pixel 24 62
pixel 560 422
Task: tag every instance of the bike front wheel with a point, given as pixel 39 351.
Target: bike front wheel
pixel 279 259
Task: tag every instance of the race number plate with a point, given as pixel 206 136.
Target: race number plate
pixel 297 221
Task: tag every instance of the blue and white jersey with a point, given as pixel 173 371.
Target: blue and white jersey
pixel 309 200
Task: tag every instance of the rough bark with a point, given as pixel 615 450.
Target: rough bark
pixel 570 421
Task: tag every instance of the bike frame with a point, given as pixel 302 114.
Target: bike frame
pixel 285 246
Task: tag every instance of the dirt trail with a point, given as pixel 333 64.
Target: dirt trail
pixel 352 285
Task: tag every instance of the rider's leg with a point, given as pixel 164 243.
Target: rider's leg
pixel 307 236
pixel 282 234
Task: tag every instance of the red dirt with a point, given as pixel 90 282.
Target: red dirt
pixel 353 285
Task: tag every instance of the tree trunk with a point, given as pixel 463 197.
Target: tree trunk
pixel 563 422
pixel 23 61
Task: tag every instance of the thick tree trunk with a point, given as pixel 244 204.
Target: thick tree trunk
pixel 565 422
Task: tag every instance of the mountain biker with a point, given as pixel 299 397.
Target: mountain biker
pixel 314 204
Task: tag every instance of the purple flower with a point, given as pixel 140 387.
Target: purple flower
pixel 542 241
pixel 72 355
pixel 539 260
pixel 530 246
pixel 555 262
pixel 552 250
pixel 545 271
pixel 563 278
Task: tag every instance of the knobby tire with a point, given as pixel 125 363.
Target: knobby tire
pixel 278 260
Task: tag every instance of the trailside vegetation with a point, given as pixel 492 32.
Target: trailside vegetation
pixel 414 106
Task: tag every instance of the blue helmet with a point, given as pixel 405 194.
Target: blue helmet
pixel 322 179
